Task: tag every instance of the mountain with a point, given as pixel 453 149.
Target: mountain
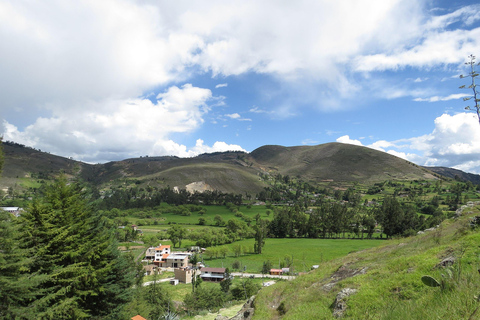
pixel 238 172
pixel 456 174
pixel 337 162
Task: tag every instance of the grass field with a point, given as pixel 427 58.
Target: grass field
pixel 305 252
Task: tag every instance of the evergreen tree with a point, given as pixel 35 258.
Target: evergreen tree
pixel 73 247
pixel 17 284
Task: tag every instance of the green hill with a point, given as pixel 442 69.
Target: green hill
pixel 236 172
pixel 337 162
pixel 386 282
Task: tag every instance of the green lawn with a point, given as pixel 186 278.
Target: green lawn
pixel 305 252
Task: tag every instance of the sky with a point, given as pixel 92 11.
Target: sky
pixel 108 80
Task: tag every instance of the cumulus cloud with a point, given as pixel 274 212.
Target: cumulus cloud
pixel 122 128
pixel 431 45
pixel 453 143
pixel 76 77
pixel 346 139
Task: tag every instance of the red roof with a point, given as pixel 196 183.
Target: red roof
pixel 138 317
pixel 162 247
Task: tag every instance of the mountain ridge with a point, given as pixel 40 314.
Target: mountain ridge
pixel 231 171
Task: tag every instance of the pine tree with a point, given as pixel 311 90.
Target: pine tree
pixel 73 247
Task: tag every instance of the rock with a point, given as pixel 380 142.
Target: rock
pixel 247 310
pixel 340 304
pixel 220 317
pixel 447 262
pixel 420 232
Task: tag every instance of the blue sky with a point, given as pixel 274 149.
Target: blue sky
pixel 108 80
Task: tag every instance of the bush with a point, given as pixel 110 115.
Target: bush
pixel 211 298
pixel 245 290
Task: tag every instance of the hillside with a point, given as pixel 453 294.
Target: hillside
pixel 385 282
pixel 237 172
pixel 456 174
pixel 337 162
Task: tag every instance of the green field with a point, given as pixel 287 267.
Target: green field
pixel 305 252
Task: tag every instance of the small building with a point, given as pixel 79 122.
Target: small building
pixel 149 269
pixel 285 270
pixel 277 272
pixel 16 211
pixel 174 282
pixel 161 254
pixel 150 253
pixel 212 274
pixel 138 317
pixel 184 275
pixel 176 260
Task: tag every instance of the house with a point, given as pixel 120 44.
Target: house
pixel 161 254
pixel 177 260
pixel 150 253
pixel 277 272
pixel 138 317
pixel 16 211
pixel 212 274
pixel 184 275
pixel 149 269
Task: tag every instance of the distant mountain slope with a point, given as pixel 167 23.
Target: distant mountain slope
pixel 456 174
pixel 236 172
pixel 22 162
pixel 337 162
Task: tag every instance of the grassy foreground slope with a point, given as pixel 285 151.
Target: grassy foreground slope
pixel 388 280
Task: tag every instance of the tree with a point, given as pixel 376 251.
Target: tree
pixel 176 234
pixel 260 235
pixel 73 248
pixel 219 220
pixel 391 216
pixel 17 286
pixel 227 282
pixel 475 96
pixel 266 266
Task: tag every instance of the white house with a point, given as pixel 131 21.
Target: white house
pixel 16 211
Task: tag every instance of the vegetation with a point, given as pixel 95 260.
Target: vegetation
pixel 388 279
pixel 473 74
pixel 62 260
pixel 61 257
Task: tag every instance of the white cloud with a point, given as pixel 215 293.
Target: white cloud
pixel 447 98
pixel 121 128
pixel 221 85
pixel 218 146
pixel 453 143
pixel 233 116
pixel 238 117
pixel 309 142
pixel 431 44
pixel 346 139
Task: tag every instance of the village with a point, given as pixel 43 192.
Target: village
pixel 161 259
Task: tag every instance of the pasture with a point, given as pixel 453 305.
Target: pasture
pixel 304 252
